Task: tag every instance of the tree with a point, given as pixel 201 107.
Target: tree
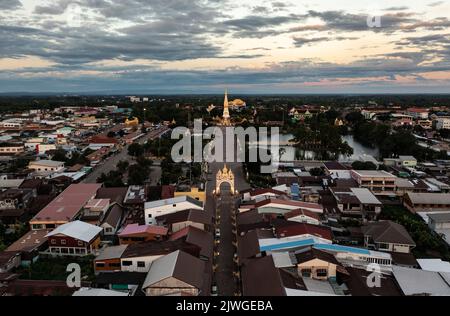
pixel 111 180
pixel 317 172
pixel 111 134
pixel 123 165
pixel 354 118
pixel 364 165
pixel 137 175
pixel 144 162
pixel 135 150
pixel 60 155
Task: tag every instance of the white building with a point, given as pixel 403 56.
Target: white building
pixel 46 166
pixel 443 123
pixel 164 207
pixel 11 149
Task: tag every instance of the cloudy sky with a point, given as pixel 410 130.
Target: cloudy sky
pixel 200 46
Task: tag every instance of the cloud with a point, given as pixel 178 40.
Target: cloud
pixel 163 31
pixel 10 4
pixel 381 69
pixel 301 41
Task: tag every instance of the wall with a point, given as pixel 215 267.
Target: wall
pixel 134 267
pixel 171 286
pixel 179 226
pixel 316 264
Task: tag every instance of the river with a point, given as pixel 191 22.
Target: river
pixel 289 153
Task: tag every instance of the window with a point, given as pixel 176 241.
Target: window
pixel 127 263
pixel 141 264
pixel 321 273
pixel 114 265
pixel 80 243
pixel 306 273
pixel 174 205
pixel 53 242
pixel 149 215
pixel 63 242
pixel 383 246
pixel 108 230
pixel 100 264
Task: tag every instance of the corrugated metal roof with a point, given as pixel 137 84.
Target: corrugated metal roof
pixel 77 230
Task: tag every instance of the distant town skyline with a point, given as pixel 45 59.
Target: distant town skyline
pixel 199 46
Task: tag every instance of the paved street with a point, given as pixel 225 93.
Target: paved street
pixel 110 164
pixel 223 206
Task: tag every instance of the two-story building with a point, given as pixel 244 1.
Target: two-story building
pixel 164 207
pixel 74 238
pixel 379 182
pixel 11 148
pixel 47 166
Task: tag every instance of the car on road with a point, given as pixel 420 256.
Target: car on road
pixel 214 291
pixel 217 233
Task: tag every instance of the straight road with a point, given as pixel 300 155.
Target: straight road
pixel 110 163
pixel 223 206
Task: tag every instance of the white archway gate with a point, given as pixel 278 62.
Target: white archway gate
pixel 225 176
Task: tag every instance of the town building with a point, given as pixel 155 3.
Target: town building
pixel 418 113
pixel 177 273
pixel 316 264
pixel 356 202
pixel 11 148
pixel 179 220
pixel 379 182
pixel 427 202
pixel 74 238
pixel 47 166
pixel 66 207
pixel 164 207
pixel 194 192
pixel 387 236
pixel 442 123
pixel 401 161
pixel 108 259
pixel 134 233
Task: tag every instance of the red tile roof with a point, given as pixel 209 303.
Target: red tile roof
pixel 288 229
pixel 103 140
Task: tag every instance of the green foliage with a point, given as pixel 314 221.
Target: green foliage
pixel 171 172
pixel 123 165
pixel 428 243
pixel 160 147
pixel 355 118
pixel 135 150
pixel 138 174
pixel 7 239
pixel 317 172
pixel 55 269
pixel 18 164
pixel 323 138
pixel 393 143
pixel 111 180
pixel 144 162
pixel 364 165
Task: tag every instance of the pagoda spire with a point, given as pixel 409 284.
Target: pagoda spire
pixel 226 110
